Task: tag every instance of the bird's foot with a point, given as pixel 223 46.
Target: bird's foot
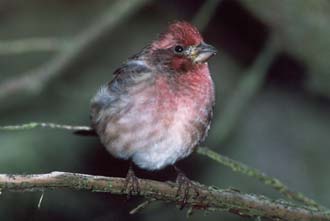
pixel 132 186
pixel 185 188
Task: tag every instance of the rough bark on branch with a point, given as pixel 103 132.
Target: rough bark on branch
pixel 232 164
pixel 209 198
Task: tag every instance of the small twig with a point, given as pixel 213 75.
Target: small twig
pixel 204 14
pixel 248 87
pixel 36 80
pixel 141 206
pixel 209 198
pixel 33 125
pixel 268 180
pixel 32 45
pixel 40 199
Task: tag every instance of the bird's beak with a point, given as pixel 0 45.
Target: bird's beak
pixel 202 52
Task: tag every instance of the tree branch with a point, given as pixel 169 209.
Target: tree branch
pixel 33 125
pixel 262 177
pixel 35 80
pixel 232 164
pixel 21 46
pixel 249 85
pixel 209 198
pixel 205 13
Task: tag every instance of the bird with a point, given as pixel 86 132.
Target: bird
pixel 159 105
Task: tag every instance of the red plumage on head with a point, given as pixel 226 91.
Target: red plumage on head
pixel 185 33
pixel 180 32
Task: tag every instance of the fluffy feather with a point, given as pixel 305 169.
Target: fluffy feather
pixel 159 105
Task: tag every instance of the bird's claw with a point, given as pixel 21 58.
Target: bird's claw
pixel 185 185
pixel 132 186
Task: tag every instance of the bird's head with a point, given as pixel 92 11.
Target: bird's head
pixel 181 48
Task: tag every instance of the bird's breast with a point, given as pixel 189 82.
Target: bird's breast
pixel 159 125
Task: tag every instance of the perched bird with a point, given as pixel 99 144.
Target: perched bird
pixel 158 106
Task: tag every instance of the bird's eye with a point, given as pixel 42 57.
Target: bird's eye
pixel 178 49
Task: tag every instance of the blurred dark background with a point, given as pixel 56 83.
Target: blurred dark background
pixel 277 120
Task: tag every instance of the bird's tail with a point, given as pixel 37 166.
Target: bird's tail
pixel 89 133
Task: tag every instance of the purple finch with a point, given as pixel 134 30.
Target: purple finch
pixel 158 107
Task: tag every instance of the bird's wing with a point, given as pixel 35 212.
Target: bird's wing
pixel 130 73
pixel 111 97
